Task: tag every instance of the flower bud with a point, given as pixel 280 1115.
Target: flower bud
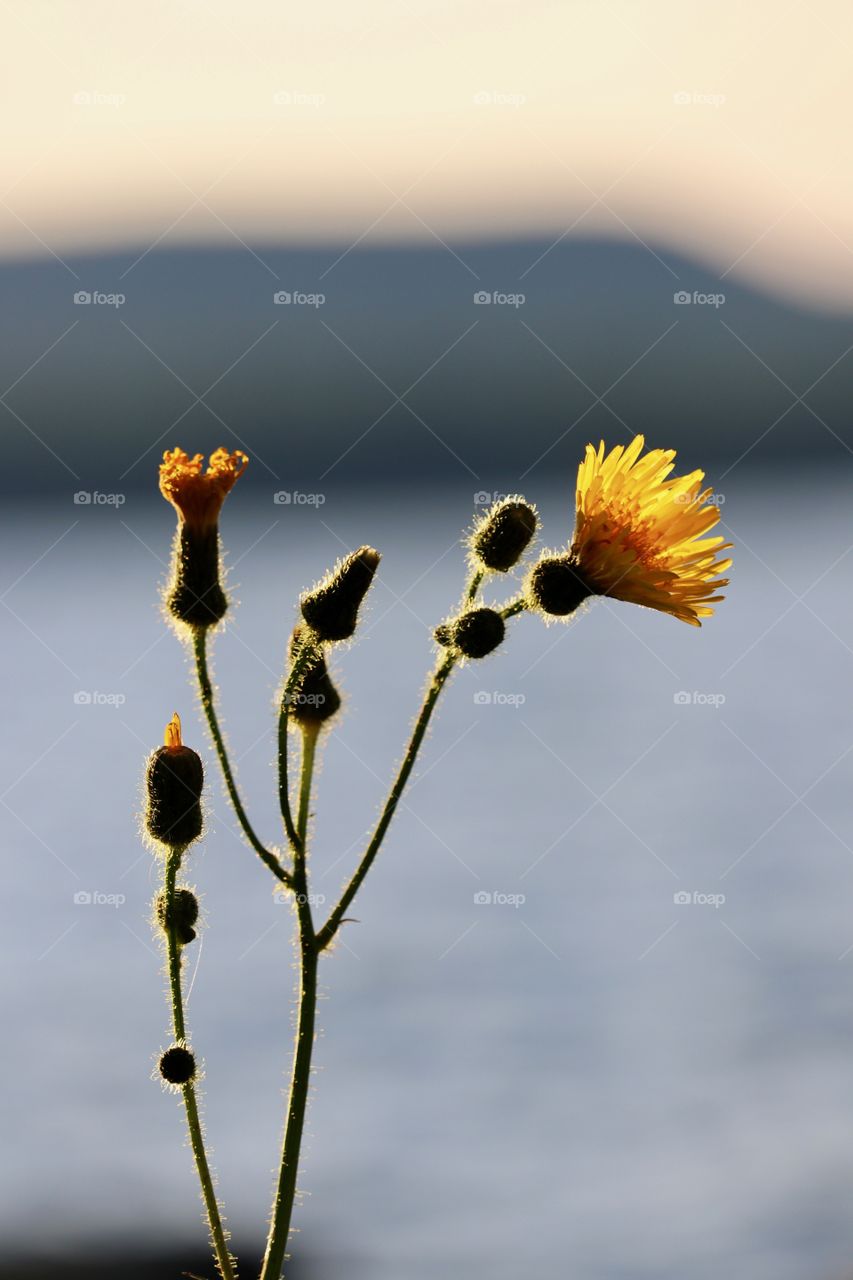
pixel 177 1064
pixel 182 917
pixel 331 609
pixel 174 780
pixel 504 533
pixel 555 586
pixel 316 699
pixel 474 633
pixel 195 595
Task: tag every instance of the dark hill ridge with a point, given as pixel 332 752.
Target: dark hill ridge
pixel 495 394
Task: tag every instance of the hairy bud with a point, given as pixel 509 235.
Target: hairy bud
pixel 331 609
pixel 195 595
pixel 174 781
pixel 177 1064
pixel 503 534
pixel 474 634
pixel 316 699
pixel 555 586
pixel 182 916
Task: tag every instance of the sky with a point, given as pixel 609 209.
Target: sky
pixel 716 129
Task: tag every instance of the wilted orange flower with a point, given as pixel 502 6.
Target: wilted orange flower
pixel 197 495
pixel 639 535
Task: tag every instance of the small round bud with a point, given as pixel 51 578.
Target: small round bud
pixel 476 633
pixel 316 699
pixel 504 533
pixel 174 780
pixel 555 586
pixel 183 915
pixel 443 634
pixel 331 609
pixel 177 1064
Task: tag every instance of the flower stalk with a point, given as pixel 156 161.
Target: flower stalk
pixel 218 1236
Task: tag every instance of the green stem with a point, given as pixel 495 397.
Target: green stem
pixel 207 701
pixel 300 1078
pixel 300 662
pixel 474 585
pixel 224 1260
pixel 514 607
pixel 434 688
pixel 310 734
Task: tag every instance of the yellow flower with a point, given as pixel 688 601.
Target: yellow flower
pixel 639 536
pixel 198 495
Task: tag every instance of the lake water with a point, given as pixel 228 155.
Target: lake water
pixel 583 1075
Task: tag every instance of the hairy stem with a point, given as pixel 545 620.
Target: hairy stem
pixel 306 652
pixel 218 1238
pixel 300 1078
pixel 207 701
pixel 434 688
pixel 310 734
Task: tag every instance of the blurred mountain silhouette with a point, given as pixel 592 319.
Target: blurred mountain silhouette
pixel 380 363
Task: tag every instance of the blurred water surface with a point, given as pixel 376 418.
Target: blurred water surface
pixel 597 1079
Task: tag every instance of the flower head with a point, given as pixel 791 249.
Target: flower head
pixel 197 495
pixel 639 535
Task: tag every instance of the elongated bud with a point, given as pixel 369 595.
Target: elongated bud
pixel 474 634
pixel 555 586
pixel 177 1064
pixel 174 779
pixel 503 535
pixel 195 595
pixel 182 916
pixel 331 609
pixel 316 699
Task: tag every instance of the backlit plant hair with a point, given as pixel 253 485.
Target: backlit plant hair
pixel 639 536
